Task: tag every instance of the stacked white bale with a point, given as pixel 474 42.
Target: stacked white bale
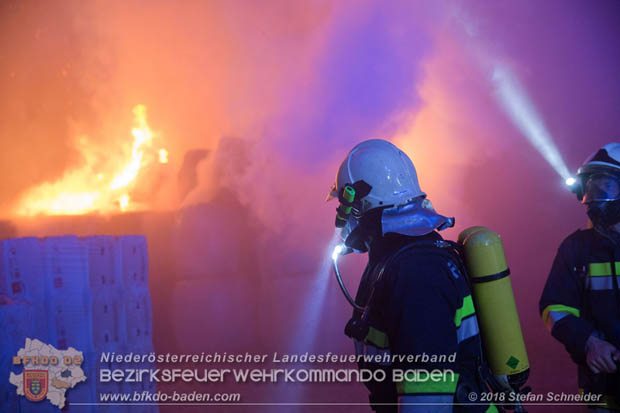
pixel 22 280
pixel 90 294
pixel 108 322
pixel 22 311
pixel 104 260
pixel 134 259
pixel 15 321
pixel 111 387
pixel 69 306
pixel 134 267
pixel 69 293
pixel 108 307
pixel 138 312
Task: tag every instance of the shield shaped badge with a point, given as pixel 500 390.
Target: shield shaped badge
pixel 35 384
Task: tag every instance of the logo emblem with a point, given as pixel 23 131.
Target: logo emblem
pixel 513 362
pixel 35 384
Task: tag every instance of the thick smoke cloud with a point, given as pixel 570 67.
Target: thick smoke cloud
pixel 480 168
pixel 306 80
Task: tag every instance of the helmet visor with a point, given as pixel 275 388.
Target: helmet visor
pixel 601 187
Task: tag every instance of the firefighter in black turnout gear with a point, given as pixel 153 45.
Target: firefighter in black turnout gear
pixel 581 301
pixel 414 311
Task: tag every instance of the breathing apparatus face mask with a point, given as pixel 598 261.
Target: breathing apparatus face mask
pixel 601 195
pixel 352 235
pixel 349 215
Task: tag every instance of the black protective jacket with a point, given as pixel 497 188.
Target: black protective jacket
pixel 421 306
pixel 581 298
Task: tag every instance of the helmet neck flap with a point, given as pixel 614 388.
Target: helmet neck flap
pixel 414 219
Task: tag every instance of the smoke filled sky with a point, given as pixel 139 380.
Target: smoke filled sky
pixel 291 86
pixel 300 83
pixel 304 81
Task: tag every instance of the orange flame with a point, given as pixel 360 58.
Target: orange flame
pixel 87 189
pixel 163 156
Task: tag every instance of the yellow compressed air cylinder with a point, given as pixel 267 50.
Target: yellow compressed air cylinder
pixel 467 232
pixel 496 310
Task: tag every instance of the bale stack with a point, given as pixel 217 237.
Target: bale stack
pixel 89 293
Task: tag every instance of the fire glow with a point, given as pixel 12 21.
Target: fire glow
pixel 100 185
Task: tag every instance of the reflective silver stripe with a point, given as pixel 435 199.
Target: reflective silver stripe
pixel 468 329
pixel 425 403
pixel 363 349
pixel 556 316
pixel 600 283
pixel 359 347
pixel 384 355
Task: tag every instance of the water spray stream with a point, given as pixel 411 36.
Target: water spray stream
pixel 314 301
pixel 311 311
pixel 517 105
pixel 513 98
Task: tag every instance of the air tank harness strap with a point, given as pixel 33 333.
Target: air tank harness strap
pixel 358 328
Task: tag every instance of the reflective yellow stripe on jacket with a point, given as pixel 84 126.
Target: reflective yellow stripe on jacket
pixel 492 409
pixel 465 311
pixel 377 338
pixel 424 384
pixel 600 276
pixel 555 312
pixel 466 321
pixel 602 269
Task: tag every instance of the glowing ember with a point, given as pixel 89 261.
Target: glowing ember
pixel 124 202
pixel 73 203
pixel 163 156
pixel 89 188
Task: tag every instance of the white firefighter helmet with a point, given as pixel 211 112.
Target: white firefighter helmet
pixel 599 177
pixel 388 170
pixel 608 156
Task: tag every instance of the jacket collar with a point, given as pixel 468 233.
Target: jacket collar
pixel 390 243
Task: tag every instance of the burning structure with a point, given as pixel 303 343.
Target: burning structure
pixel 94 292
pixel 104 183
